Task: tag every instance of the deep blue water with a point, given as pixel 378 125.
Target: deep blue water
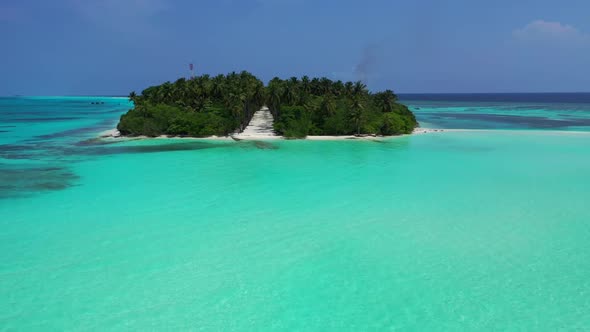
pixel 540 111
pixel 570 97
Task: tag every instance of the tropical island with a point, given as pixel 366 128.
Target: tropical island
pixel 223 105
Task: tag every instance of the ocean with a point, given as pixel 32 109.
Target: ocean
pixel 521 111
pixel 483 229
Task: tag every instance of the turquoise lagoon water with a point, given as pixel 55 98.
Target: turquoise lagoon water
pixel 483 230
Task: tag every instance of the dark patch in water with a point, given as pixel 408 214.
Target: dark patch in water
pixel 21 113
pixel 95 142
pixel 26 180
pixel 35 150
pixel 169 147
pixel 43 114
pixel 45 119
pixel 4 131
pixel 47 186
pixel 499 97
pixel 567 115
pixel 13 147
pixel 529 121
pixel 67 133
pixel 526 107
pixel 265 145
pixel 41 150
pixel 99 111
pixel 75 132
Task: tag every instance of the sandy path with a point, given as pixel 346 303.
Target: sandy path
pixel 259 127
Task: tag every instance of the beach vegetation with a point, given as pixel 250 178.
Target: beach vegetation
pixel 320 106
pixel 224 104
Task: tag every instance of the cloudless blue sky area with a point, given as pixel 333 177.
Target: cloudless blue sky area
pixel 110 47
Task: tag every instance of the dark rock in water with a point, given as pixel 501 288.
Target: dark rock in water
pixel 264 145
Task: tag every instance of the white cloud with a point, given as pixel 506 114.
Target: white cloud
pixel 541 30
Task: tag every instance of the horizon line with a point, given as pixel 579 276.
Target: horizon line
pixel 398 93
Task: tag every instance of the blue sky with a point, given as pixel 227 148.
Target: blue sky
pixel 114 46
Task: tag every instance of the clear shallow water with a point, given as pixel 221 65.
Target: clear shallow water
pixel 445 231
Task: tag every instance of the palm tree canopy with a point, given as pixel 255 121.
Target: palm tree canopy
pixel 221 104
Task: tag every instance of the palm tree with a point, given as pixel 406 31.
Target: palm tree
pixel 294 81
pixel 132 96
pixel 289 94
pixel 357 113
pixel 208 87
pixel 326 85
pixel 328 105
pixel 164 93
pixel 348 88
pixel 359 88
pixel 259 95
pixel 305 84
pixel 274 94
pixel 234 102
pixel 386 100
pixel 338 87
pixel 315 86
pixel 310 108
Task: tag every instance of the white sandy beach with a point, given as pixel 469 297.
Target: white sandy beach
pixel 111 133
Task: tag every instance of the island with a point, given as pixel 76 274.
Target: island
pixel 223 105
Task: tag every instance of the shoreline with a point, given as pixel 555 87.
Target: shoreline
pixel 115 134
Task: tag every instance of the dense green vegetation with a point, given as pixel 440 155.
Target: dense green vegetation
pixel 224 104
pixel 321 106
pixel 202 106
